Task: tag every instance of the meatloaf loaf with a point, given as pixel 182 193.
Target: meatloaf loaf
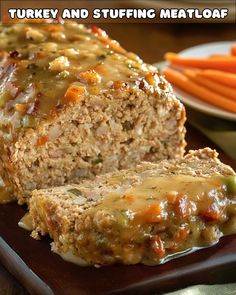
pixel 147 214
pixel 74 103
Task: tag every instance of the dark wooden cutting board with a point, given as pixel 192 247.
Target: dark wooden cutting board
pixel 42 272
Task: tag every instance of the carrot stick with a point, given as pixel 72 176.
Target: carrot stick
pixel 182 68
pixel 224 78
pixel 231 70
pixel 233 50
pixel 220 63
pixel 212 85
pixel 219 55
pixel 201 92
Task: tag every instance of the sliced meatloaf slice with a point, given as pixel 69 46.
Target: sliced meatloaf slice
pixel 74 103
pixel 148 214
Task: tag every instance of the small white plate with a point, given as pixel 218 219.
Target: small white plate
pixel 193 102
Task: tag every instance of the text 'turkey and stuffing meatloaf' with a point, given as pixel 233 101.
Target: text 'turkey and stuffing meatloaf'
pixel 74 103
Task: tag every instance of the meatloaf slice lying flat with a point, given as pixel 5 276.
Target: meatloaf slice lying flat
pixel 146 215
pixel 74 103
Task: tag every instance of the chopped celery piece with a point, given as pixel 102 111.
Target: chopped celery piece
pixel 29 121
pixel 231 184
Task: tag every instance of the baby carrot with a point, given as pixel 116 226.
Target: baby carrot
pixel 212 85
pixel 184 83
pixel 219 55
pixel 220 63
pixel 222 77
pixel 233 50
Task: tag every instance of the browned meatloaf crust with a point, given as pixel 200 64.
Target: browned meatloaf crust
pixel 141 215
pixel 74 103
